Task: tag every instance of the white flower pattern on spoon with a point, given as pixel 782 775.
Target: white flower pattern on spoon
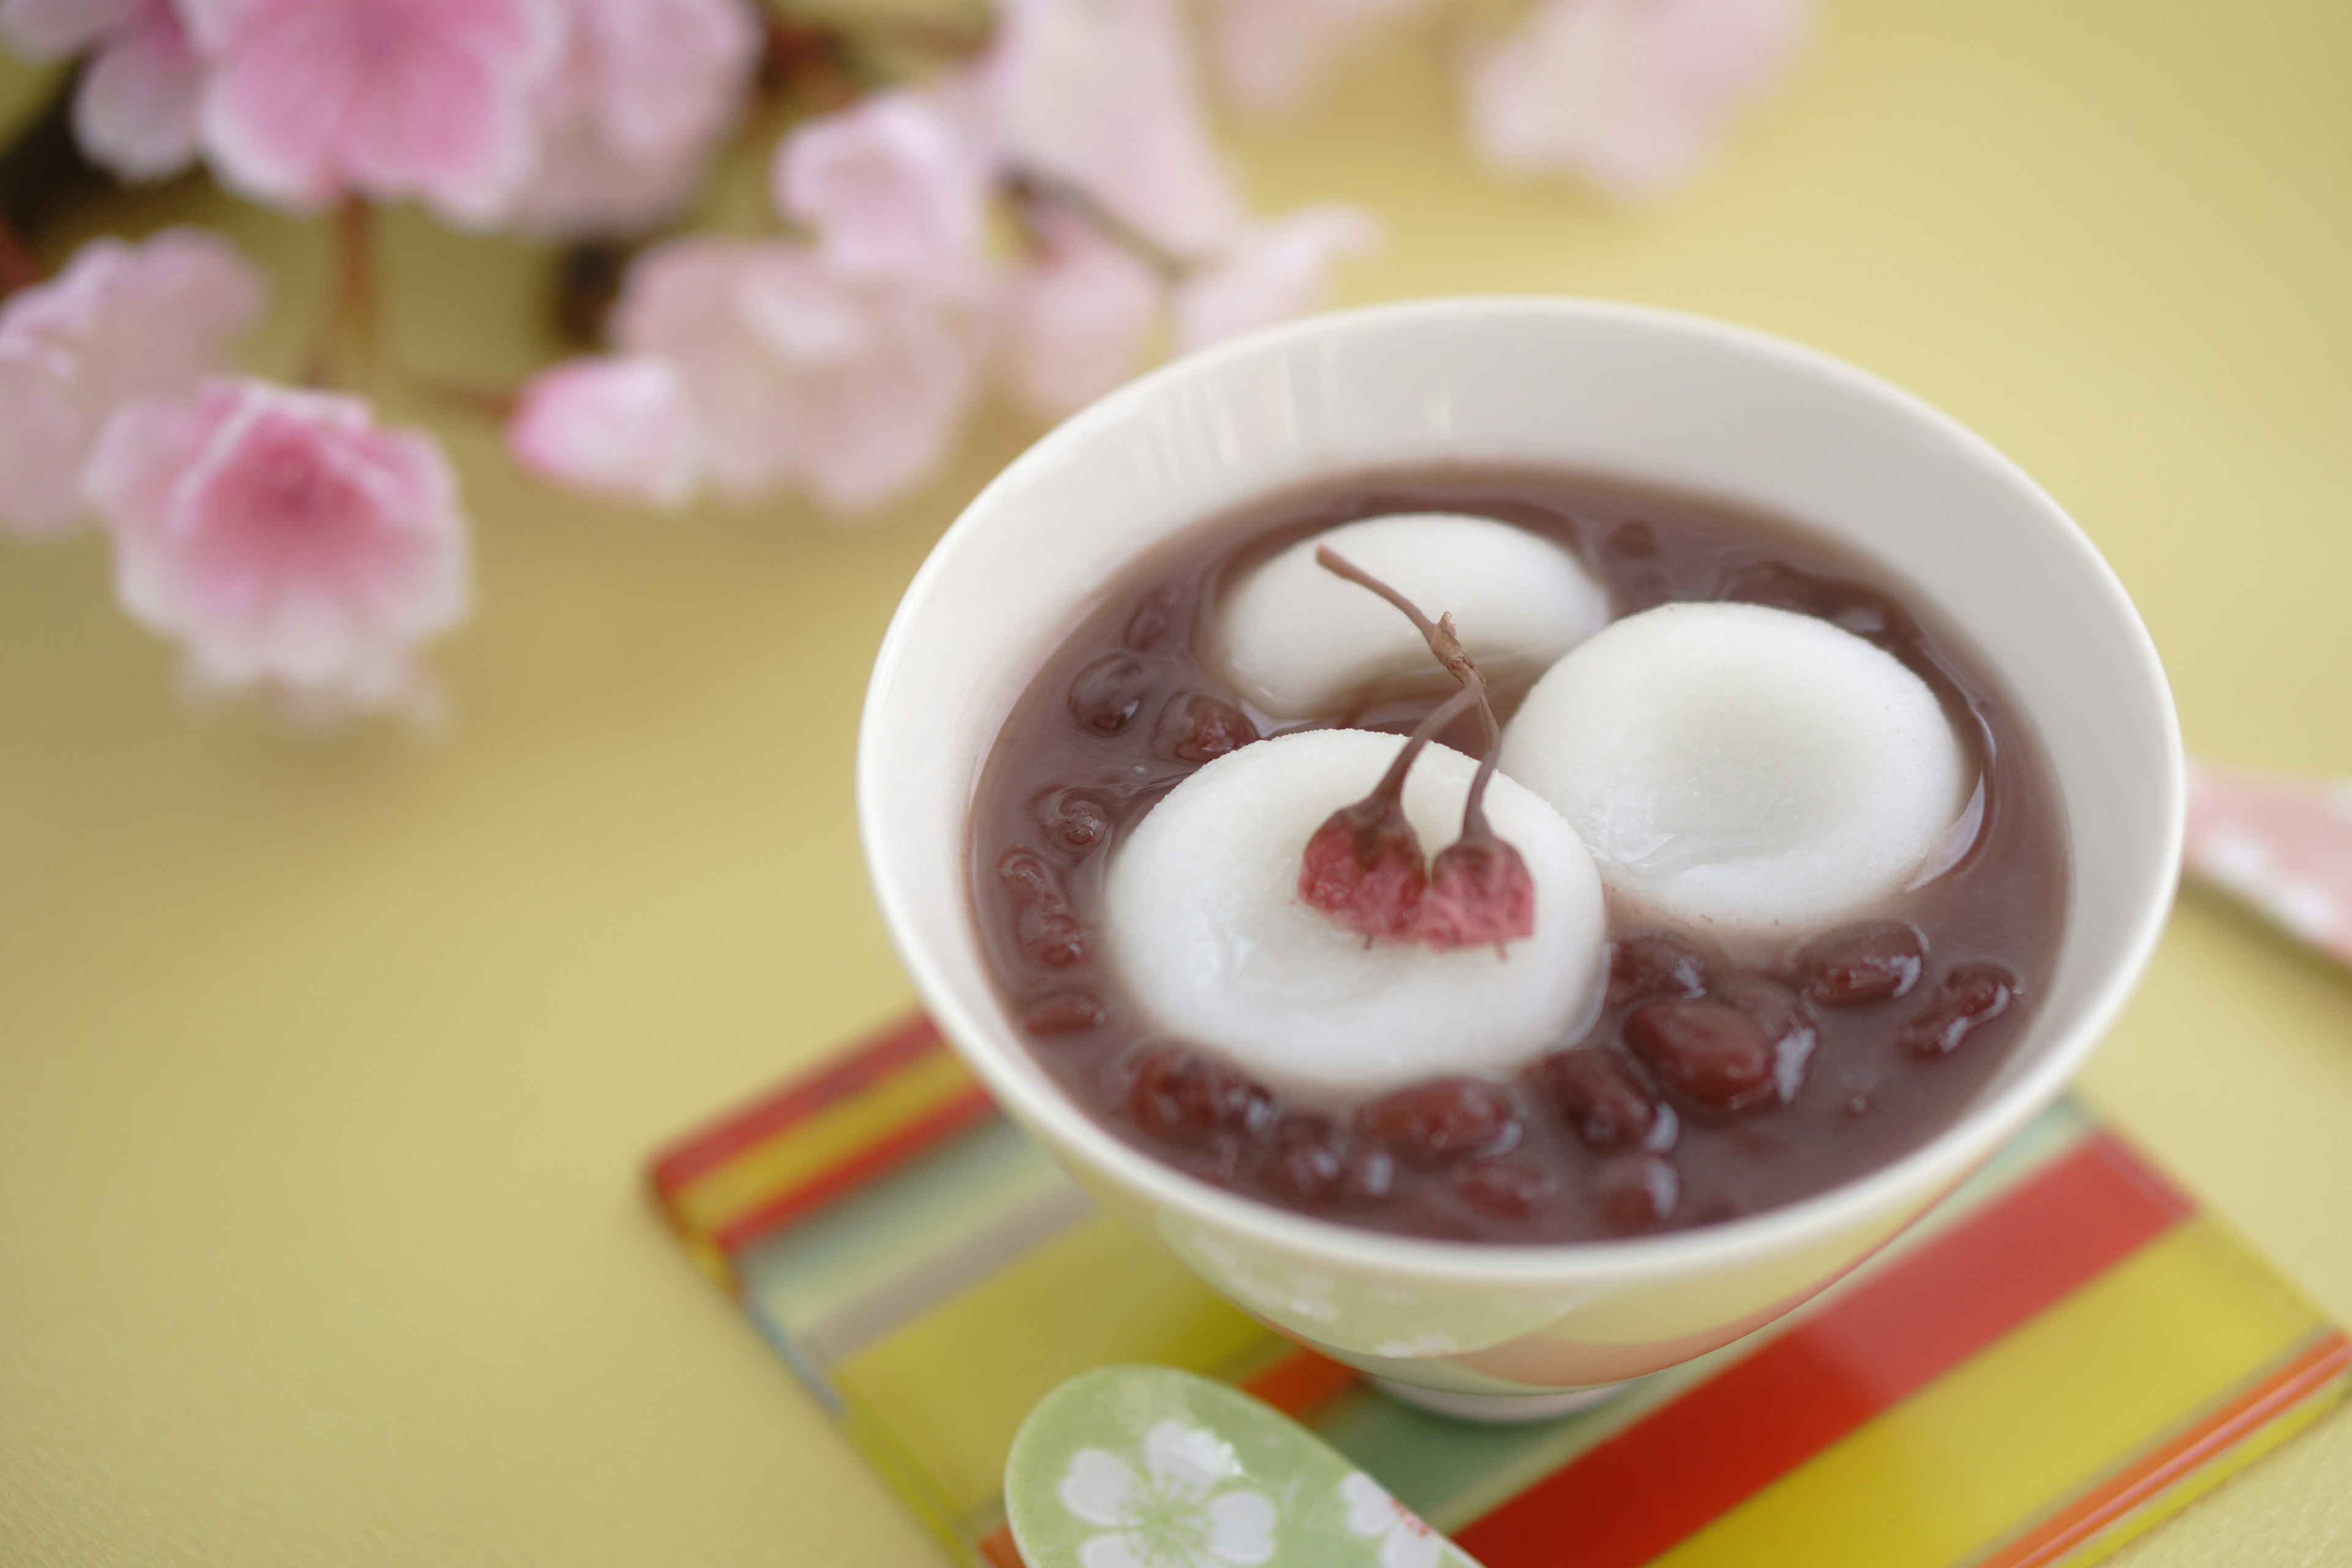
pixel 1174 1516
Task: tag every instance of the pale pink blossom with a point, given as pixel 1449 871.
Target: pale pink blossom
pixel 1270 53
pixel 636 104
pixel 1078 319
pixel 121 322
pixel 619 427
pixel 896 188
pixel 1271 272
pixel 1101 94
pixel 291 546
pixel 311 101
pixel 1631 95
pixel 794 372
pixel 52 29
pixel 135 111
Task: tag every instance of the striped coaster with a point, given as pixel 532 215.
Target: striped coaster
pixel 2063 1352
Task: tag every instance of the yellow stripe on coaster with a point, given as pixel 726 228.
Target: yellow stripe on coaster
pixel 2015 1430
pixel 810 1148
pixel 1004 1343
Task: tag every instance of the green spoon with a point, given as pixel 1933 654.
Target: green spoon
pixel 1146 1467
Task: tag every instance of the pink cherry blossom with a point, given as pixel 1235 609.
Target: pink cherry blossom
pixel 1101 94
pixel 621 429
pixel 793 374
pixel 897 186
pixel 52 29
pixel 1269 53
pixel 121 322
pixel 1078 319
pixel 1629 94
pixel 1271 272
pixel 313 99
pixel 291 546
pixel 637 102
pixel 135 111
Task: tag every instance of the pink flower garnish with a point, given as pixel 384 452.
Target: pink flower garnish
pixel 1631 95
pixel 896 188
pixel 1101 93
pixel 636 105
pixel 1363 867
pixel 1480 894
pixel 314 100
pixel 135 111
pixel 1270 272
pixel 121 322
pixel 1078 319
pixel 290 546
pixel 620 429
pixel 1270 53
pixel 791 373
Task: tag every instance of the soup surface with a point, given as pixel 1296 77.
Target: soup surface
pixel 1886 1027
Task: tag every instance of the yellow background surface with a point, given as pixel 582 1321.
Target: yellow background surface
pixel 325 1070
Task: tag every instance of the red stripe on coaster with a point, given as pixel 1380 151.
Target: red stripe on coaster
pixel 996 1548
pixel 1300 1382
pixel 879 1055
pixel 1685 1464
pixel 936 1127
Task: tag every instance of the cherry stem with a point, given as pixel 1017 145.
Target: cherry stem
pixel 1391 785
pixel 1445 645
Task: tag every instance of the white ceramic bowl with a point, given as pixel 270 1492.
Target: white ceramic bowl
pixel 1686 404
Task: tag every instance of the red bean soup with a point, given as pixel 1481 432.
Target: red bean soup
pixel 1704 1089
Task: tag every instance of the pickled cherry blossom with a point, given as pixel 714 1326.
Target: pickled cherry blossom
pixel 291 546
pixel 314 100
pixel 121 322
pixel 634 106
pixel 1631 95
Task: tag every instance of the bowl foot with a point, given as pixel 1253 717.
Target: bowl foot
pixel 1500 1409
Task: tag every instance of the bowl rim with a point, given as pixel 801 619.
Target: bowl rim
pixel 1030 1097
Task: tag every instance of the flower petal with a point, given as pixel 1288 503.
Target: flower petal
pixel 1100 93
pixel 896 188
pixel 629 116
pixel 1270 53
pixel 52 29
pixel 136 110
pixel 1188 1460
pixel 1371 1509
pixel 1115 1551
pixel 1078 319
pixel 615 428
pixel 1272 272
pixel 1629 94
pixel 1241 1529
pixel 1097 1487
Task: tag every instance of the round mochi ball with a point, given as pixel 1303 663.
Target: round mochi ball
pixel 1746 769
pixel 1295 638
pixel 1204 923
